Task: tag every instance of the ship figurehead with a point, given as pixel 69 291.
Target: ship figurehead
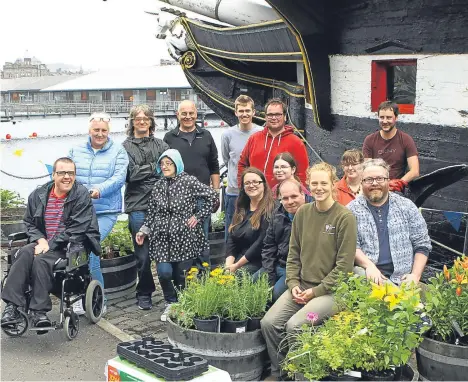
pixel 171 30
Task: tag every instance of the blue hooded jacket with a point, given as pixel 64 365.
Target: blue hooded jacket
pixel 104 170
pixel 174 156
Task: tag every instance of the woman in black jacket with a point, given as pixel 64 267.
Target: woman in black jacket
pixel 254 208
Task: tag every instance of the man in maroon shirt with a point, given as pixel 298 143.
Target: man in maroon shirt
pixel 394 146
pixel 58 213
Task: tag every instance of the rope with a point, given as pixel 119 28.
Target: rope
pixel 25 177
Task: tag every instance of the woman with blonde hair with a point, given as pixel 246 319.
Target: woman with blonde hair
pixel 254 208
pixel 322 244
pixel 350 185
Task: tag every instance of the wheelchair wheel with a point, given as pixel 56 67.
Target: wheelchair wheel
pixel 94 301
pixel 71 331
pixel 2 284
pixel 19 329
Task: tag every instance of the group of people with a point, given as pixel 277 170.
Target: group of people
pixel 297 223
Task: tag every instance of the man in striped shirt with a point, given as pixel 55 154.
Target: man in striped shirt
pixel 58 213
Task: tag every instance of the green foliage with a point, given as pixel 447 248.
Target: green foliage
pixel 118 242
pixel 377 329
pixel 256 294
pixel 11 199
pixel 447 300
pixel 217 221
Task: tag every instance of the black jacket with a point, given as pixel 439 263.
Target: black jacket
pixel 276 244
pixel 243 240
pixel 141 172
pixel 200 158
pixel 79 216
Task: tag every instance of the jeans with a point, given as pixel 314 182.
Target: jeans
pixel 230 207
pixel 145 277
pixel 106 222
pixel 172 272
pixel 280 286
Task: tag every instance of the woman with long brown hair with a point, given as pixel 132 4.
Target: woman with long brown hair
pixel 254 208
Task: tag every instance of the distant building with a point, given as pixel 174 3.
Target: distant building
pixel 25 67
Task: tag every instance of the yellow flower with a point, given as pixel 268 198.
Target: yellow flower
pixel 217 272
pixel 392 300
pixel 193 270
pixel 205 264
pixel 221 282
pixel 378 291
pixel 190 277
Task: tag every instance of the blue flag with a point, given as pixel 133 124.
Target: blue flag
pixel 454 218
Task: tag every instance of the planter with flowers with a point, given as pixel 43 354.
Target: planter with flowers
pixel 210 319
pixel 443 355
pixel 373 336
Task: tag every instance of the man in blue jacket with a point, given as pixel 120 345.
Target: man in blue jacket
pixel 101 166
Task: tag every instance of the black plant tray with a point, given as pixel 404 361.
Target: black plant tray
pixel 162 359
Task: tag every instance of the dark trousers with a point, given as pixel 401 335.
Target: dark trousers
pixel 145 277
pixel 36 271
pixel 172 272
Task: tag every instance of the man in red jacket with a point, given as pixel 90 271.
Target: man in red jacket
pixel 277 137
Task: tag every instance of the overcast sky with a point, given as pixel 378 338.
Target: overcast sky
pixel 93 33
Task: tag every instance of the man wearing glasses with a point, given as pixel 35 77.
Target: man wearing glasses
pixel 59 212
pixel 143 150
pixel 393 242
pixel 277 137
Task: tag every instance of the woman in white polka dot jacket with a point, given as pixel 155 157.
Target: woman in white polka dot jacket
pixel 173 222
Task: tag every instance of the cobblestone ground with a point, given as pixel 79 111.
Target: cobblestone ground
pixel 124 314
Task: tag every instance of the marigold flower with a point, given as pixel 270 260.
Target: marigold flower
pixel 190 277
pixel 459 291
pixel 205 264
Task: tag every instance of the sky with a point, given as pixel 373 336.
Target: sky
pixel 94 34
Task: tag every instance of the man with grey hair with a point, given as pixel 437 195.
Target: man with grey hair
pixel 393 242
pixel 143 150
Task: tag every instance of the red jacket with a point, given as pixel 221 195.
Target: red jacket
pixel 344 195
pixel 261 149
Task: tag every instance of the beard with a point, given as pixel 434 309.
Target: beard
pixel 377 195
pixel 387 128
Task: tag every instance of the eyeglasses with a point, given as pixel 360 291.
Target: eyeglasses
pixel 254 183
pixel 63 173
pixel 141 119
pixel 167 164
pixel 281 167
pixel 274 115
pixel 99 119
pixel 370 180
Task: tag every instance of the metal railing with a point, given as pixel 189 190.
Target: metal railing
pixel 44 109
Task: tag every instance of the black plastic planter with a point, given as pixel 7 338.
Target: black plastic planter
pixel 253 324
pixel 231 326
pixel 383 375
pixel 207 325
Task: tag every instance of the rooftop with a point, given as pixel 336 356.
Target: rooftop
pixel 32 83
pixel 154 77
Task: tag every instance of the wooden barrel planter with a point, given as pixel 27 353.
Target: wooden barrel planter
pixel 242 355
pixel 217 248
pixel 120 276
pixel 439 361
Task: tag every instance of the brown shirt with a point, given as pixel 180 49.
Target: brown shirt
pixel 394 151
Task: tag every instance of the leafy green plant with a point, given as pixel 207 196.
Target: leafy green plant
pixel 447 300
pixel 256 294
pixel 217 221
pixel 118 242
pixel 11 199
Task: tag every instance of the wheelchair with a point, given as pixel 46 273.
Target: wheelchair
pixel 72 283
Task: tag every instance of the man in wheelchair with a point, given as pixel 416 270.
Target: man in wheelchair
pixel 58 213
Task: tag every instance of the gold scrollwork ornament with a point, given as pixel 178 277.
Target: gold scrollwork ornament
pixel 188 60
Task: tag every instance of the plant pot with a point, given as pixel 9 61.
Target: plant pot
pixel 217 248
pixel 120 276
pixel 234 326
pixel 334 376
pixel 382 375
pixel 253 324
pixel 207 325
pixel 440 361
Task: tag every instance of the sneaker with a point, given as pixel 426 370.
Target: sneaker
pixel 165 314
pixel 78 307
pixel 39 319
pixel 10 315
pixel 144 301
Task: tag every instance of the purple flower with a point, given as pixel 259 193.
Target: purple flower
pixel 312 317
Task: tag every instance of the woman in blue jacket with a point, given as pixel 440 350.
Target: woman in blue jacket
pixel 101 166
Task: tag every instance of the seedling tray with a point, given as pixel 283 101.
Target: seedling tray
pixel 162 359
